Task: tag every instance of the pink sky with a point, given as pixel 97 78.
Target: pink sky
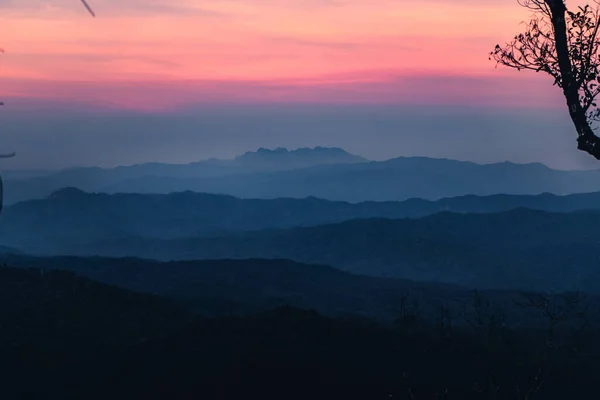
pixel 164 55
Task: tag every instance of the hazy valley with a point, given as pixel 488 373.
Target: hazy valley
pixel 327 173
pixel 449 250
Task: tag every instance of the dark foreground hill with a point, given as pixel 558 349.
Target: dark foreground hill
pixel 66 337
pixel 519 249
pixel 50 318
pixel 70 213
pixel 241 287
pixel 69 338
pixel 224 287
pixel 298 354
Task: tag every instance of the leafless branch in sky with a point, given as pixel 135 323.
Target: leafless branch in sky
pixel 88 8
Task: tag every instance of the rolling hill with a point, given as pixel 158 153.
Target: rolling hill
pixel 52 318
pixel 67 337
pixel 240 287
pixel 25 185
pixel 226 287
pixel 337 178
pixel 70 214
pixel 518 249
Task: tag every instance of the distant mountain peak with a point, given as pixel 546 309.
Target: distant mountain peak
pixel 68 193
pixel 304 156
pixel 300 150
pixel 263 150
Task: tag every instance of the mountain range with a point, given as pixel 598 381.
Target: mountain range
pixel 186 294
pixel 71 214
pixel 503 241
pixel 23 185
pixel 328 173
pixel 518 249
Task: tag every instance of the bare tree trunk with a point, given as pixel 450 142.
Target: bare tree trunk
pixel 586 139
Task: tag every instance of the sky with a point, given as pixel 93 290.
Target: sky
pixel 182 80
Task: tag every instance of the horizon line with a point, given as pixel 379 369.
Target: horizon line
pixel 291 150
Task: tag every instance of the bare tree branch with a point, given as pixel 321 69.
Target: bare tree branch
pixel 88 8
pixel 564 45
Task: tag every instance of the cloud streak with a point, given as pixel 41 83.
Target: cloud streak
pixel 368 87
pixel 272 50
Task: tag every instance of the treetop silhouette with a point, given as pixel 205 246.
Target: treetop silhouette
pixel 564 44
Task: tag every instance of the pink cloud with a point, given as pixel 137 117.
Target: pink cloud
pixel 371 87
pixel 167 55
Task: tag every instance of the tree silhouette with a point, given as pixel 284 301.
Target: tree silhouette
pixel 563 44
